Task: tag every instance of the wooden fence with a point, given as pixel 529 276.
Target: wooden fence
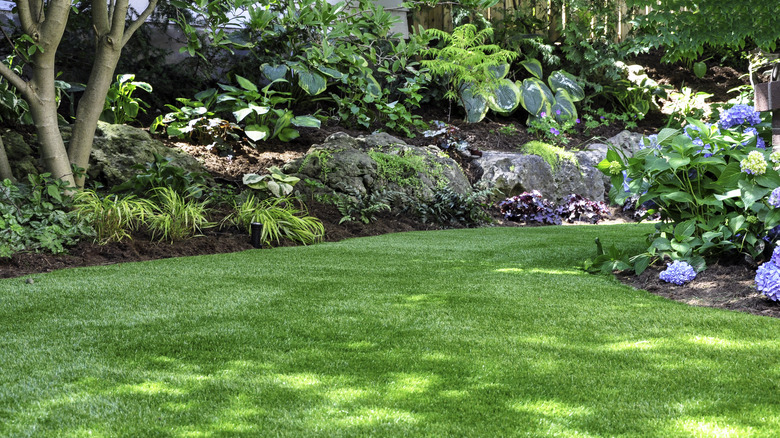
pixel 614 16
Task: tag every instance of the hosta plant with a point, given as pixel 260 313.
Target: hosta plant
pixel 556 100
pixel 274 183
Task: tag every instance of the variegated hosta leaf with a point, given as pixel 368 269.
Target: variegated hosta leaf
pixel 499 71
pixel 312 83
pixel 533 66
pixel 306 121
pixel 332 72
pixel 373 89
pixel 564 104
pixel 476 106
pixel 274 72
pixel 505 98
pixel 536 97
pixel 561 80
pixel 257 132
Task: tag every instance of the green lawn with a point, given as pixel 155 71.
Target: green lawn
pixel 481 332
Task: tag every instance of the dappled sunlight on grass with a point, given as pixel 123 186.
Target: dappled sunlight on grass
pixel 441 334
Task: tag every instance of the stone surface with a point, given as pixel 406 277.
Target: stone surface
pixel 512 173
pixel 344 165
pixel 117 148
pixel 21 156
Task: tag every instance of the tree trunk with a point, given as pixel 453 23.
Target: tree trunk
pixel 91 106
pixel 5 167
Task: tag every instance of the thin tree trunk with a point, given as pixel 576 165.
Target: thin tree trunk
pixel 5 167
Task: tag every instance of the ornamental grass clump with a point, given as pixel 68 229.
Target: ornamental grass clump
pixel 678 272
pixel 768 277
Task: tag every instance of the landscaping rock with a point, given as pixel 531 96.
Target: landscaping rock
pixel 117 148
pixel 512 173
pixel 20 155
pixel 379 162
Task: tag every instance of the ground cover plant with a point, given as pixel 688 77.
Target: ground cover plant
pixel 484 332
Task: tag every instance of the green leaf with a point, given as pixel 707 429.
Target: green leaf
pixel 246 84
pixel 677 197
pixel 641 262
pixel 476 106
pixel 287 134
pixel 274 72
pixel 700 69
pixel 684 230
pixel 306 121
pixel 257 132
pixel 675 162
pixel 373 88
pixel 241 114
pixel 565 105
pixel 331 72
pixel 536 97
pixel 661 244
pixel 54 192
pixel 561 80
pixel 312 83
pixel 681 248
pixel 533 66
pixel 505 98
pixel 750 193
pixel 665 134
pixel 499 71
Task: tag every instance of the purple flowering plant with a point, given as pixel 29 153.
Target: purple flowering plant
pixel 678 272
pixel 552 128
pixel 768 276
pixel 714 188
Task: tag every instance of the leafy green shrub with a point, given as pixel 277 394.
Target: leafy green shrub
pixel 176 217
pixel 553 155
pixel 161 173
pixel 449 207
pixel 274 183
pixel 711 185
pixel 364 207
pixel 112 216
pixel 36 216
pixel 121 107
pixel 280 219
pixel 197 121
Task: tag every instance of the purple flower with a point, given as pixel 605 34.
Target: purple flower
pixel 558 112
pixel 578 121
pixel 554 131
pixel 768 280
pixel 679 273
pixel 776 256
pixel 543 114
pixel 774 199
pixel 739 115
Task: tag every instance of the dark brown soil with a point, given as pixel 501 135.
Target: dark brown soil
pixel 723 286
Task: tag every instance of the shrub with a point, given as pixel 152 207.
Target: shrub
pixel 712 187
pixel 36 216
pixel 529 207
pixel 577 208
pixel 161 173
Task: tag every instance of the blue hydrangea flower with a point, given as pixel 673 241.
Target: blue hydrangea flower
pixel 774 198
pixel 650 141
pixel 768 280
pixel 679 273
pixel 739 115
pixel 776 256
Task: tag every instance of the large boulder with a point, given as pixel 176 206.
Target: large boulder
pixel 375 163
pixel 21 156
pixel 512 173
pixel 116 148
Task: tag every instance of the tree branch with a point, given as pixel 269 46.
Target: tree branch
pixel 25 17
pixel 17 81
pixel 118 18
pixel 100 17
pixel 139 21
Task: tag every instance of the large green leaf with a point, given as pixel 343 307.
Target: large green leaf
pixel 476 106
pixel 505 98
pixel 306 121
pixel 332 72
pixel 312 83
pixel 536 97
pixel 257 132
pixel 533 66
pixel 287 134
pixel 274 72
pixel 499 71
pixel 563 109
pixel 373 88
pixel 246 84
pixel 750 193
pixel 561 80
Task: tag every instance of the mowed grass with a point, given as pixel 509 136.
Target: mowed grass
pixel 480 332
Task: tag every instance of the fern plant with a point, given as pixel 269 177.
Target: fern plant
pixel 474 68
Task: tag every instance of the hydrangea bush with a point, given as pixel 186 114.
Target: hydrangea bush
pixel 713 185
